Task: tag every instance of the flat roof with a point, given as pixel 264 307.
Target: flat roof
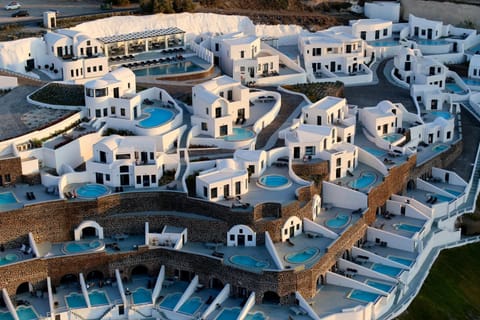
pixel 141 35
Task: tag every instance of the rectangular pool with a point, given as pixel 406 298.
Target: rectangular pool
pixel 363 296
pixel 386 270
pixel 168 69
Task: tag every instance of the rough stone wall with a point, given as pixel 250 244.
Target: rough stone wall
pixel 12 167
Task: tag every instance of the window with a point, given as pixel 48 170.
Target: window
pixel 101 92
pixel 310 150
pixel 89 69
pixel 139 179
pixel 153 178
pixel 124 169
pixel 259 67
pixel 317 51
pixel 230 95
pixel 285 231
pixel 122 112
pixel 98 113
pixel 379 127
pixel 112 110
pixel 339 161
pixel 8 178
pixel 204 126
pixel 438 134
pixel 100 68
pixel 206 110
pixel 385 31
pixel 128 85
pixel 217 46
pixel 205 192
pixel 242 69
pixel 213 193
pixel 237 187
pixel 107 177
pixel 349 164
pixel 71 73
pixel 81 51
pixel 232 237
pixel 250 237
pixel 242 54
pixel 88 42
pixel 152 155
pixel 105 112
pixel 122 156
pixel 218 112
pixel 271 65
pixel 423 32
pixel 251 169
pixel 262 163
pixel 95 49
pixel 94 68
pixel 449 134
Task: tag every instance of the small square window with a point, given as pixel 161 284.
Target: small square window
pixel 107 177
pixel 232 237
pixel 139 179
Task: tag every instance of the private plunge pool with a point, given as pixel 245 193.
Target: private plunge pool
pixel 340 221
pixel 301 256
pixel 365 180
pixel 156 117
pixel 274 182
pixel 248 261
pixel 392 137
pixel 83 246
pixel 92 191
pixel 240 134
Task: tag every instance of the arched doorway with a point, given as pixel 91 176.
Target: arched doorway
pixel 80 231
pixel 320 280
pixel 271 297
pixel 69 279
pixel 410 185
pixel 139 271
pixel 94 275
pixel 89 232
pixel 216 284
pixel 25 287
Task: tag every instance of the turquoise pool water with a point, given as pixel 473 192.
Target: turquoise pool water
pixel 26 313
pixel 444 114
pixel 407 227
pixel 339 221
pixel 274 181
pixel 191 305
pixel 392 137
pixel 365 180
pixel 386 270
pixel 454 192
pixel 240 134
pixel 8 258
pixel 455 88
pixel 471 82
pixel 376 152
pixel 440 147
pixel 441 198
pixel 380 285
pixel 431 42
pixel 248 261
pixel 91 191
pixel 404 261
pixel 5 316
pixel 142 295
pixel 384 43
pixel 98 298
pixel 7 198
pixel 363 296
pixel 255 316
pixel 302 256
pixel 82 246
pixel 166 69
pixel 157 117
pixel 75 300
pixel 170 301
pixel 228 314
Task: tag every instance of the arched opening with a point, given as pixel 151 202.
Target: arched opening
pixel 2 302
pixel 94 275
pixel 321 280
pixel 410 185
pixel 23 288
pixel 89 232
pixel 139 271
pixel 69 279
pixel 271 297
pixel 216 284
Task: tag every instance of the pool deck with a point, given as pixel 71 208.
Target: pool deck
pixel 387 251
pixel 422 196
pixel 357 173
pixel 156 104
pixel 332 212
pixel 382 223
pixel 277 312
pixel 332 299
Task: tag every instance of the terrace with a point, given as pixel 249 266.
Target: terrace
pixel 337 219
pixel 363 178
pixel 333 299
pixel 400 225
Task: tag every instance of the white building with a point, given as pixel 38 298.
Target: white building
pixel 385 118
pixel 241 57
pixel 113 96
pixel 412 67
pixel 383 10
pixel 474 67
pixel 334 52
pixel 218 105
pixel 74 55
pixel 372 29
pixel 332 112
pixel 426 29
pixel 430 97
pixel 125 161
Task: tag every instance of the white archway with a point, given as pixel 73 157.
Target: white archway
pixel 241 235
pixel 291 228
pixel 316 206
pixel 88 224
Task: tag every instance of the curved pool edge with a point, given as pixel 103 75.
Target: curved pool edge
pixel 287 185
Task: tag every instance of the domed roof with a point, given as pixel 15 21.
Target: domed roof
pixel 96 84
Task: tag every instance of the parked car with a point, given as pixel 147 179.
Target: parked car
pixel 14 5
pixel 20 13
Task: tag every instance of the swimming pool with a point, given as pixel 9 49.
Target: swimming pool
pixel 431 42
pixel 7 198
pixel 444 114
pixel 455 88
pixel 142 295
pixel 302 256
pixel 380 285
pixel 248 261
pixel 168 69
pixel 440 147
pixel 91 191
pixel 404 261
pixel 255 316
pixel 97 298
pixel 366 179
pixel 384 43
pixel 191 305
pixel 471 82
pixel 228 314
pixel 274 182
pixel 386 270
pixel 392 137
pixel 363 296
pixel 441 198
pixel 170 301
pixel 26 313
pixel 340 221
pixel 83 246
pixel 6 316
pixel 8 258
pixel 376 152
pixel 454 192
pixel 157 117
pixel 75 300
pixel 407 227
pixel 240 134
